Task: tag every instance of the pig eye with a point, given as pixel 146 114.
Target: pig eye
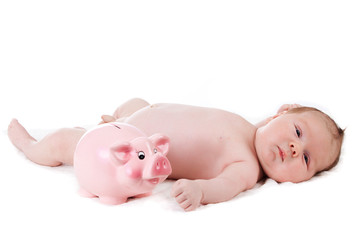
pixel 155 150
pixel 141 155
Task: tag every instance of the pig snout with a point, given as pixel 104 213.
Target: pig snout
pixel 161 167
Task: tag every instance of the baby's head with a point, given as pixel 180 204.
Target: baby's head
pixel 296 145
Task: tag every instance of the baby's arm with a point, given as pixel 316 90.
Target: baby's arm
pixel 235 178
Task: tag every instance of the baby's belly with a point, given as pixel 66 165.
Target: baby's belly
pixel 196 140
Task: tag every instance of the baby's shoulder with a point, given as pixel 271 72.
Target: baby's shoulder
pixel 242 150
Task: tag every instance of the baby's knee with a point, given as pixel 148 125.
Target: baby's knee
pixel 139 101
pixel 129 107
pixel 136 103
pixel 64 141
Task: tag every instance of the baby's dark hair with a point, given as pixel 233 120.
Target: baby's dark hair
pixel 336 132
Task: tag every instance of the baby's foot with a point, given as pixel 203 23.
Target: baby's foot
pixel 19 136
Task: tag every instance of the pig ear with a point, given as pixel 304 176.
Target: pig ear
pixel 161 143
pixel 121 153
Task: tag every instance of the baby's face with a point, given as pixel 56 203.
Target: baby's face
pixel 293 147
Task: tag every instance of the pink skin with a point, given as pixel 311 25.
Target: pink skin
pixel 293 147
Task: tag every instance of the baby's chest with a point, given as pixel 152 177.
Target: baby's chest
pixel 202 141
pixel 206 158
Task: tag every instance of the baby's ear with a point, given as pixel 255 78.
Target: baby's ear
pixel 287 107
pixel 275 116
pixel 279 114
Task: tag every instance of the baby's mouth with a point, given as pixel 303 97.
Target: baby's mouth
pixel 281 153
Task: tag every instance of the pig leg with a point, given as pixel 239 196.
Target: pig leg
pixel 129 107
pixel 53 150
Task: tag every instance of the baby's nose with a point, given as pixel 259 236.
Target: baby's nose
pixel 295 149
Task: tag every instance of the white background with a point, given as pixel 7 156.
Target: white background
pixel 64 63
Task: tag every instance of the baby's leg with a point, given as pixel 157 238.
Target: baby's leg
pixel 129 107
pixel 53 150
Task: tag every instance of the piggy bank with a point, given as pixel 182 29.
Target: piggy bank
pixel 115 161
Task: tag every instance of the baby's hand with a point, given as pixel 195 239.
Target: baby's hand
pixel 187 193
pixel 107 119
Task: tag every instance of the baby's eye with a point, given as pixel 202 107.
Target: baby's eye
pixel 306 159
pixel 298 132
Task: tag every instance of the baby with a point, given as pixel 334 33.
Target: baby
pixel 215 154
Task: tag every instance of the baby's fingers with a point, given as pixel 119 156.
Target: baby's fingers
pixel 185 203
pixel 180 198
pixel 176 191
pixel 107 118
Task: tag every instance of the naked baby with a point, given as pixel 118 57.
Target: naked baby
pixel 214 154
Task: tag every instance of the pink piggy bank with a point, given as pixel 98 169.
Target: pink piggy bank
pixel 114 161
